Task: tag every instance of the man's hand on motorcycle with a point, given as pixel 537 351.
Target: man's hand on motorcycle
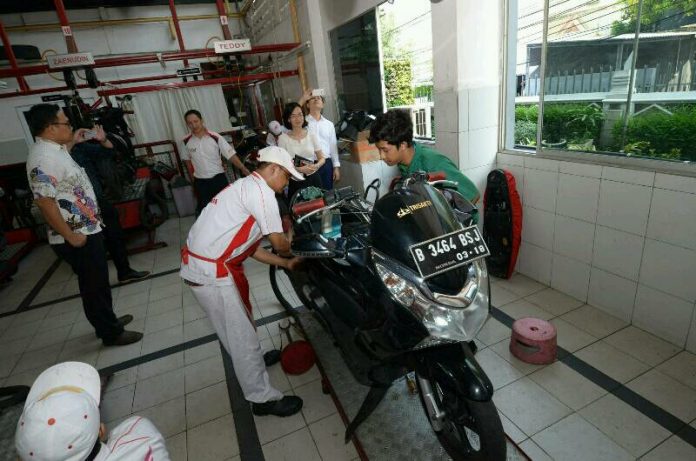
pixel 293 263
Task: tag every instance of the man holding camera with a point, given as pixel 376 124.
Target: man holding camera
pixel 65 196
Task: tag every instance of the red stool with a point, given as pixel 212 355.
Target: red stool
pixel 533 341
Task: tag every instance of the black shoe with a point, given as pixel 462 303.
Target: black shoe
pixel 125 320
pixel 288 405
pixel 127 337
pixel 133 275
pixel 271 357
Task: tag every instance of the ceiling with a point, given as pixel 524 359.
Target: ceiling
pixel 14 6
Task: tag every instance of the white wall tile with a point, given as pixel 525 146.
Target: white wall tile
pixel 446 103
pixel 581 169
pixel 643 178
pixel 691 339
pixel 483 145
pixel 673 182
pixel 463 110
pixel 479 177
pixel 570 276
pixel 540 189
pixel 624 206
pixel 535 262
pixel 663 315
pixel 614 295
pixel 577 197
pixel 573 238
pixel 669 269
pixel 541 163
pixel 508 159
pixel 463 149
pixel 483 107
pixel 618 252
pixel 448 145
pixel 537 227
pixel 673 218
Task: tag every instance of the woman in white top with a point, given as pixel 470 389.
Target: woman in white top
pixel 303 146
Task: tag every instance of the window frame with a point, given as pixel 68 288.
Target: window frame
pixel 508 90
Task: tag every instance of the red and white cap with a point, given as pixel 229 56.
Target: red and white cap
pixel 60 421
pixel 278 155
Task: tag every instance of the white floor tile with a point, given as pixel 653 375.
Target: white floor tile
pixel 512 431
pixel 642 345
pixel 667 393
pixel 529 406
pixel 682 367
pixel 567 385
pixel 493 332
pixel 38 358
pixel 307 377
pixel 161 365
pixel 500 372
pixel 594 321
pixel 574 439
pixel 534 452
pixel 520 309
pixel 297 446
pixel 176 446
pixel 271 428
pixel 521 285
pixel 204 373
pixel 570 337
pixel 168 417
pixel 503 349
pixel 554 301
pixel 207 404
pixel 500 295
pixel 163 339
pixel 163 321
pixel 673 448
pixel 116 354
pixel 635 432
pixel 212 441
pixel 612 362
pixel 328 434
pixel 158 389
pixel 317 405
pixel 204 351
pixel 117 404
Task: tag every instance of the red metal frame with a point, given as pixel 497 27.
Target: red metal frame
pixel 63 18
pixel 221 12
pixel 213 81
pixel 179 37
pixel 11 56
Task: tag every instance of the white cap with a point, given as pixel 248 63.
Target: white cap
pixel 60 421
pixel 279 156
pixel 275 127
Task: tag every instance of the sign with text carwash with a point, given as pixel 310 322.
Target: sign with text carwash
pixel 60 61
pixel 232 46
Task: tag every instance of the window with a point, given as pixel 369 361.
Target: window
pixel 581 79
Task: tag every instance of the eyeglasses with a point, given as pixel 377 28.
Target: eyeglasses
pixel 296 116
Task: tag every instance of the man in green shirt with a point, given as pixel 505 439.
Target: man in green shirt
pixel 392 133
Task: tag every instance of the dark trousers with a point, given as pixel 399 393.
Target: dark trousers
pixel 113 238
pixel 326 172
pixel 206 189
pixel 89 264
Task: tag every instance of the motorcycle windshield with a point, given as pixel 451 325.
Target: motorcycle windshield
pixel 412 215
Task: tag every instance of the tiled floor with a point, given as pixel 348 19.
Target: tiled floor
pixel 552 411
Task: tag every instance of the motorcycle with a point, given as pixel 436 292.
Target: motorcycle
pixel 402 286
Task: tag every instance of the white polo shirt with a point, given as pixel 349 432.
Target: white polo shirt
pixel 205 152
pixel 135 439
pixel 222 219
pixel 53 173
pixel 325 132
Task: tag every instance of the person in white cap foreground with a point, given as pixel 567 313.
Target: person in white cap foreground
pixel 226 233
pixel 60 422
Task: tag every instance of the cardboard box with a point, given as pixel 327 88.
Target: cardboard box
pixel 363 135
pixel 362 151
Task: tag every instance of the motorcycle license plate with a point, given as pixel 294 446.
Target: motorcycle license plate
pixel 438 255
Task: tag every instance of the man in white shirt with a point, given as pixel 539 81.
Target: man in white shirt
pixel 202 157
pixel 226 233
pixel 325 132
pixel 66 198
pixel 61 422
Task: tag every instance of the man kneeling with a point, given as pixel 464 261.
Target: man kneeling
pixel 227 232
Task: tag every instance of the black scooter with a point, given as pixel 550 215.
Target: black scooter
pixel 401 286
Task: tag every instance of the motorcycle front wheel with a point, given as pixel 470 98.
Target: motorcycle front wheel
pixel 470 431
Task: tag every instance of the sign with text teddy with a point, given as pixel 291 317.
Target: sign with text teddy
pixel 232 46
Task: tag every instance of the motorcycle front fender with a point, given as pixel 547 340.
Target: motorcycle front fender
pixel 455 366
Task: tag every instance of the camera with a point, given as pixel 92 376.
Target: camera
pixel 318 92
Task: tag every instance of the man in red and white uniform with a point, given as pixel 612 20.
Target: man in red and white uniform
pixel 202 157
pixel 227 232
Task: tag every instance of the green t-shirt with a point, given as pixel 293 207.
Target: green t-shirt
pixel 431 161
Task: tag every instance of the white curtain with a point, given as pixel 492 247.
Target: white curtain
pixel 159 115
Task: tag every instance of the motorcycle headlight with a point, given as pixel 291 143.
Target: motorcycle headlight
pixel 443 322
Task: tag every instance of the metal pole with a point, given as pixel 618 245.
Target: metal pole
pixel 65 25
pixel 631 80
pixel 11 57
pixel 542 71
pixel 292 4
pixel 179 37
pixel 223 19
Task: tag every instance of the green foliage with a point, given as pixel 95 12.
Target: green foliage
pixel 397 82
pixel 660 135
pixel 657 15
pixel 575 123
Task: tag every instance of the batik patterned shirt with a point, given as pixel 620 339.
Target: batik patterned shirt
pixel 54 174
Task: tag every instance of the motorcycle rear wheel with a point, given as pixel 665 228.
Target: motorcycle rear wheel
pixel 471 431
